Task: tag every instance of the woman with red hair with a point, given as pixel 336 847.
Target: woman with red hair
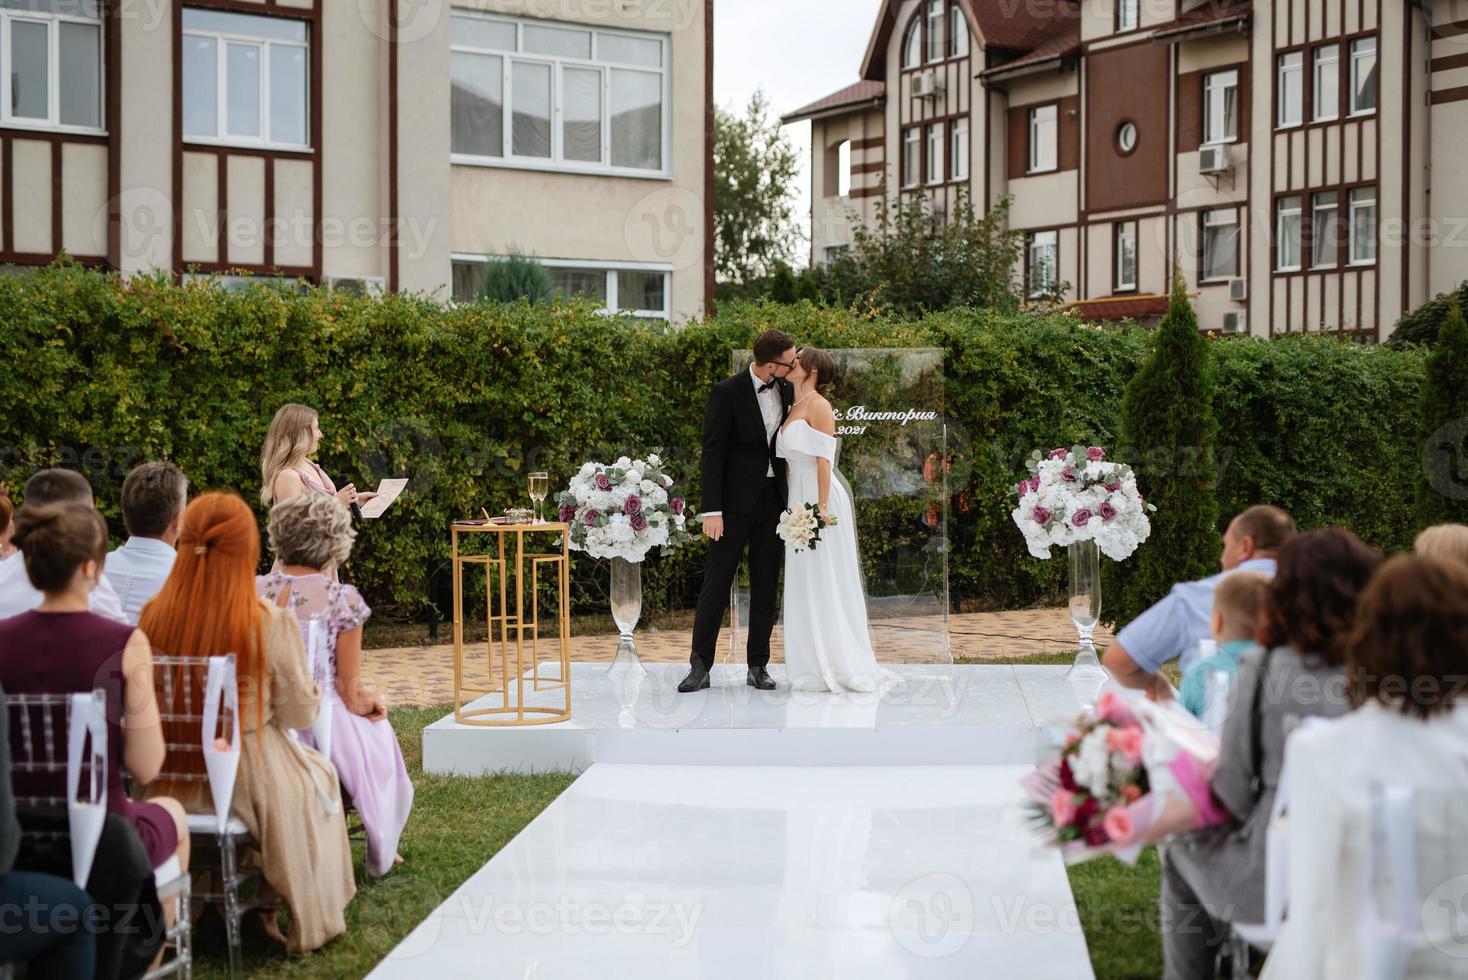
pixel 286 794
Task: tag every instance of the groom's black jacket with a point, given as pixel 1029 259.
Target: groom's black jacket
pixel 736 454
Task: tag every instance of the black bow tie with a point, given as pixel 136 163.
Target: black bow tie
pixel 766 387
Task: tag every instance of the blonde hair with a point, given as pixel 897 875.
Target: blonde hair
pixel 312 529
pixel 1239 599
pixel 1445 541
pixel 286 445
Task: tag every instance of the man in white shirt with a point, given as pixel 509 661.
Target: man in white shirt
pixel 153 499
pixel 17 595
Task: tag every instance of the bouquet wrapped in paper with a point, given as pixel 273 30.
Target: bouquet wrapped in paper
pixel 1131 772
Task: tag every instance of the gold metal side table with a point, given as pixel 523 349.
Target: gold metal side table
pixel 504 574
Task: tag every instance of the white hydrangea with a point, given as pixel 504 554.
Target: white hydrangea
pixel 1091 764
pixel 1100 503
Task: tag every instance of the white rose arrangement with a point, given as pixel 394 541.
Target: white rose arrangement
pixel 1077 494
pixel 623 510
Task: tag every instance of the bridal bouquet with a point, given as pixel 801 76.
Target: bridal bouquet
pixel 1077 494
pixel 801 526
pixel 623 510
pixel 1131 772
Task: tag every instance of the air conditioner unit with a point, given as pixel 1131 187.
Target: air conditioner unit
pixel 1238 290
pixel 1235 323
pixel 357 285
pixel 926 85
pixel 1214 159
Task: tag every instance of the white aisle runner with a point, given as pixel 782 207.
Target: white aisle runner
pixel 755 872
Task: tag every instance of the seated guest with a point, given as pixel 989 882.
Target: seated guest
pixel 311 535
pixel 54 952
pixel 1215 876
pixel 1177 623
pixel 153 498
pixel 1405 660
pixel 60 648
pixel 286 794
pixel 7 523
pixel 1236 605
pixel 17 595
pixel 1449 541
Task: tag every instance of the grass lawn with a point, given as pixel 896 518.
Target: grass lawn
pixel 458 823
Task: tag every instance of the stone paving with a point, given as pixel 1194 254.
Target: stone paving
pixel 423 676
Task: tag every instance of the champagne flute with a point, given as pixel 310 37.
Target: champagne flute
pixel 539 487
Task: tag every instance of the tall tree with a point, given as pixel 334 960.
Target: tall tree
pixel 755 167
pixel 1168 429
pixel 1442 493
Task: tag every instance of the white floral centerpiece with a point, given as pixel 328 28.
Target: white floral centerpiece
pixel 623 510
pixel 1077 494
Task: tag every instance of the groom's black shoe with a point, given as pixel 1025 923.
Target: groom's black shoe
pixel 760 678
pixel 697 680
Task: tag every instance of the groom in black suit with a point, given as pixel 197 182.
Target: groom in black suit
pixel 743 498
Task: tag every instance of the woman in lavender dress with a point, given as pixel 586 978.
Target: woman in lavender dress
pixel 311 535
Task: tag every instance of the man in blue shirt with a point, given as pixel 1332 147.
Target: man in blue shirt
pixel 1176 624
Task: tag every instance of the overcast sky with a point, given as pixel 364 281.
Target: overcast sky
pixel 797 51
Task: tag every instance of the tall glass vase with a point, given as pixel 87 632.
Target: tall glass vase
pixel 626 611
pixel 1085 599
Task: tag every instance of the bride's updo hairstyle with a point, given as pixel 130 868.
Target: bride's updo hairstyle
pixel 823 364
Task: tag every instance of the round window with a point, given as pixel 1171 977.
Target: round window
pixel 1126 137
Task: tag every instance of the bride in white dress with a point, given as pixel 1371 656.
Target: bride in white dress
pixel 827 647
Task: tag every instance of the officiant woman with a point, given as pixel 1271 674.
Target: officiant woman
pixel 286 467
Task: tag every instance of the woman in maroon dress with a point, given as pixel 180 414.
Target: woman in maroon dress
pixel 61 647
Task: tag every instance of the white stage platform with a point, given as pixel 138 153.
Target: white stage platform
pixel 937 715
pixel 764 872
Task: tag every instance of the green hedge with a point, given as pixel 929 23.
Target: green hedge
pixel 99 374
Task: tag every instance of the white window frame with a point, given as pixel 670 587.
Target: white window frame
pixel 1128 15
pixel 1333 248
pixel 911 40
pixel 1325 54
pixel 1218 218
pixel 611 269
pixel 557 63
pixel 1044 162
pixel 1120 282
pixel 1290 64
pixel 959 151
pixel 221 39
pixel 912 174
pixel 52 122
pixel 1360 55
pixel 958 37
pixel 1353 257
pixel 1281 214
pixel 1216 86
pixel 933 171
pixel 936 31
pixel 1039 243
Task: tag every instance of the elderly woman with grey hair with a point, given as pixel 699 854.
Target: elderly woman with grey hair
pixel 311 536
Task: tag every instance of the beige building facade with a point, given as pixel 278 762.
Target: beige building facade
pixel 1298 160
pixel 365 144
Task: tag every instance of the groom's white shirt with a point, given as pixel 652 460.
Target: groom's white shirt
pixel 769 408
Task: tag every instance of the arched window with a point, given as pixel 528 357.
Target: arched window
pixel 912 43
pixel 957 33
pixel 937 33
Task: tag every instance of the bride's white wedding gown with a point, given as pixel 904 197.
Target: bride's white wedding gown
pixel 827 647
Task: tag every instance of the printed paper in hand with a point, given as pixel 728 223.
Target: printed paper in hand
pixel 387 492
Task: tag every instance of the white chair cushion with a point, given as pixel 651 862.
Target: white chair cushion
pixel 207 823
pixel 1261 937
pixel 167 871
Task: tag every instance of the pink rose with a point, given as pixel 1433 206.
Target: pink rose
pixel 1081 517
pixel 1107 511
pixel 1068 474
pixel 568 513
pixel 1095 454
pixel 1111 707
pixel 603 482
pixel 1126 740
pixel 1041 515
pixel 639 523
pixel 677 504
pixel 1113 487
pixel 1131 792
pixel 632 506
pixel 1023 488
pixel 1118 824
pixel 1058 453
pixel 1063 808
